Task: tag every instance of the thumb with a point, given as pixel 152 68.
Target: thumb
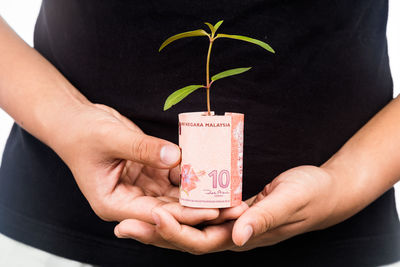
pixel 142 148
pixel 272 211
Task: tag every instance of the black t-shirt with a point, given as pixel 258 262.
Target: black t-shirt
pixel 329 76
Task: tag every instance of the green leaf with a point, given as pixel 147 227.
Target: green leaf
pixel 180 94
pixel 248 39
pixel 228 73
pixel 210 26
pixel 183 35
pixel 216 26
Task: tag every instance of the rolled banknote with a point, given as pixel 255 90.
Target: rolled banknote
pixel 212 159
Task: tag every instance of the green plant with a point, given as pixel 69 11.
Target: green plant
pixel 180 94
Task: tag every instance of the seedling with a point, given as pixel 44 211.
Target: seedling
pixel 180 94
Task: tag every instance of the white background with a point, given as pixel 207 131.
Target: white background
pixel 21 16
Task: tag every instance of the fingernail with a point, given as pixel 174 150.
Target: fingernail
pixel 156 218
pixel 248 232
pixel 117 233
pixel 170 154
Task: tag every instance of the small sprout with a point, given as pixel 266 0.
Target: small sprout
pixel 180 94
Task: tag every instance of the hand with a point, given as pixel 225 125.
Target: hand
pixel 123 172
pixel 299 200
pixel 167 232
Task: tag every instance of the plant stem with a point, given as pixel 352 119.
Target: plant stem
pixel 208 76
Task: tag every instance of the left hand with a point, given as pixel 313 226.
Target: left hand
pixel 300 200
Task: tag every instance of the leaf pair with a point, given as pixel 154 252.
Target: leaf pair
pixel 180 94
pixel 214 29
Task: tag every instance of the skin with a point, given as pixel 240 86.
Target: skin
pixel 120 170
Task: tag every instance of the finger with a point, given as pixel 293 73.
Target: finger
pixel 274 236
pixel 229 214
pixel 273 210
pixel 190 216
pixel 174 175
pixel 129 142
pixel 250 201
pixel 210 239
pixel 142 232
pixel 139 147
pixel 140 208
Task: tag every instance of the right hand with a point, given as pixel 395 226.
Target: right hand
pixel 121 171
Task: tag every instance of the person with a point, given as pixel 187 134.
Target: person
pixel 89 171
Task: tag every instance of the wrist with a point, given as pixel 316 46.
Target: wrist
pixel 53 120
pixel 354 183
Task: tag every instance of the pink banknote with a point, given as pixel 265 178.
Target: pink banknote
pixel 212 159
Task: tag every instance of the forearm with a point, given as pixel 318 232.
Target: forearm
pixel 32 91
pixel 368 164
